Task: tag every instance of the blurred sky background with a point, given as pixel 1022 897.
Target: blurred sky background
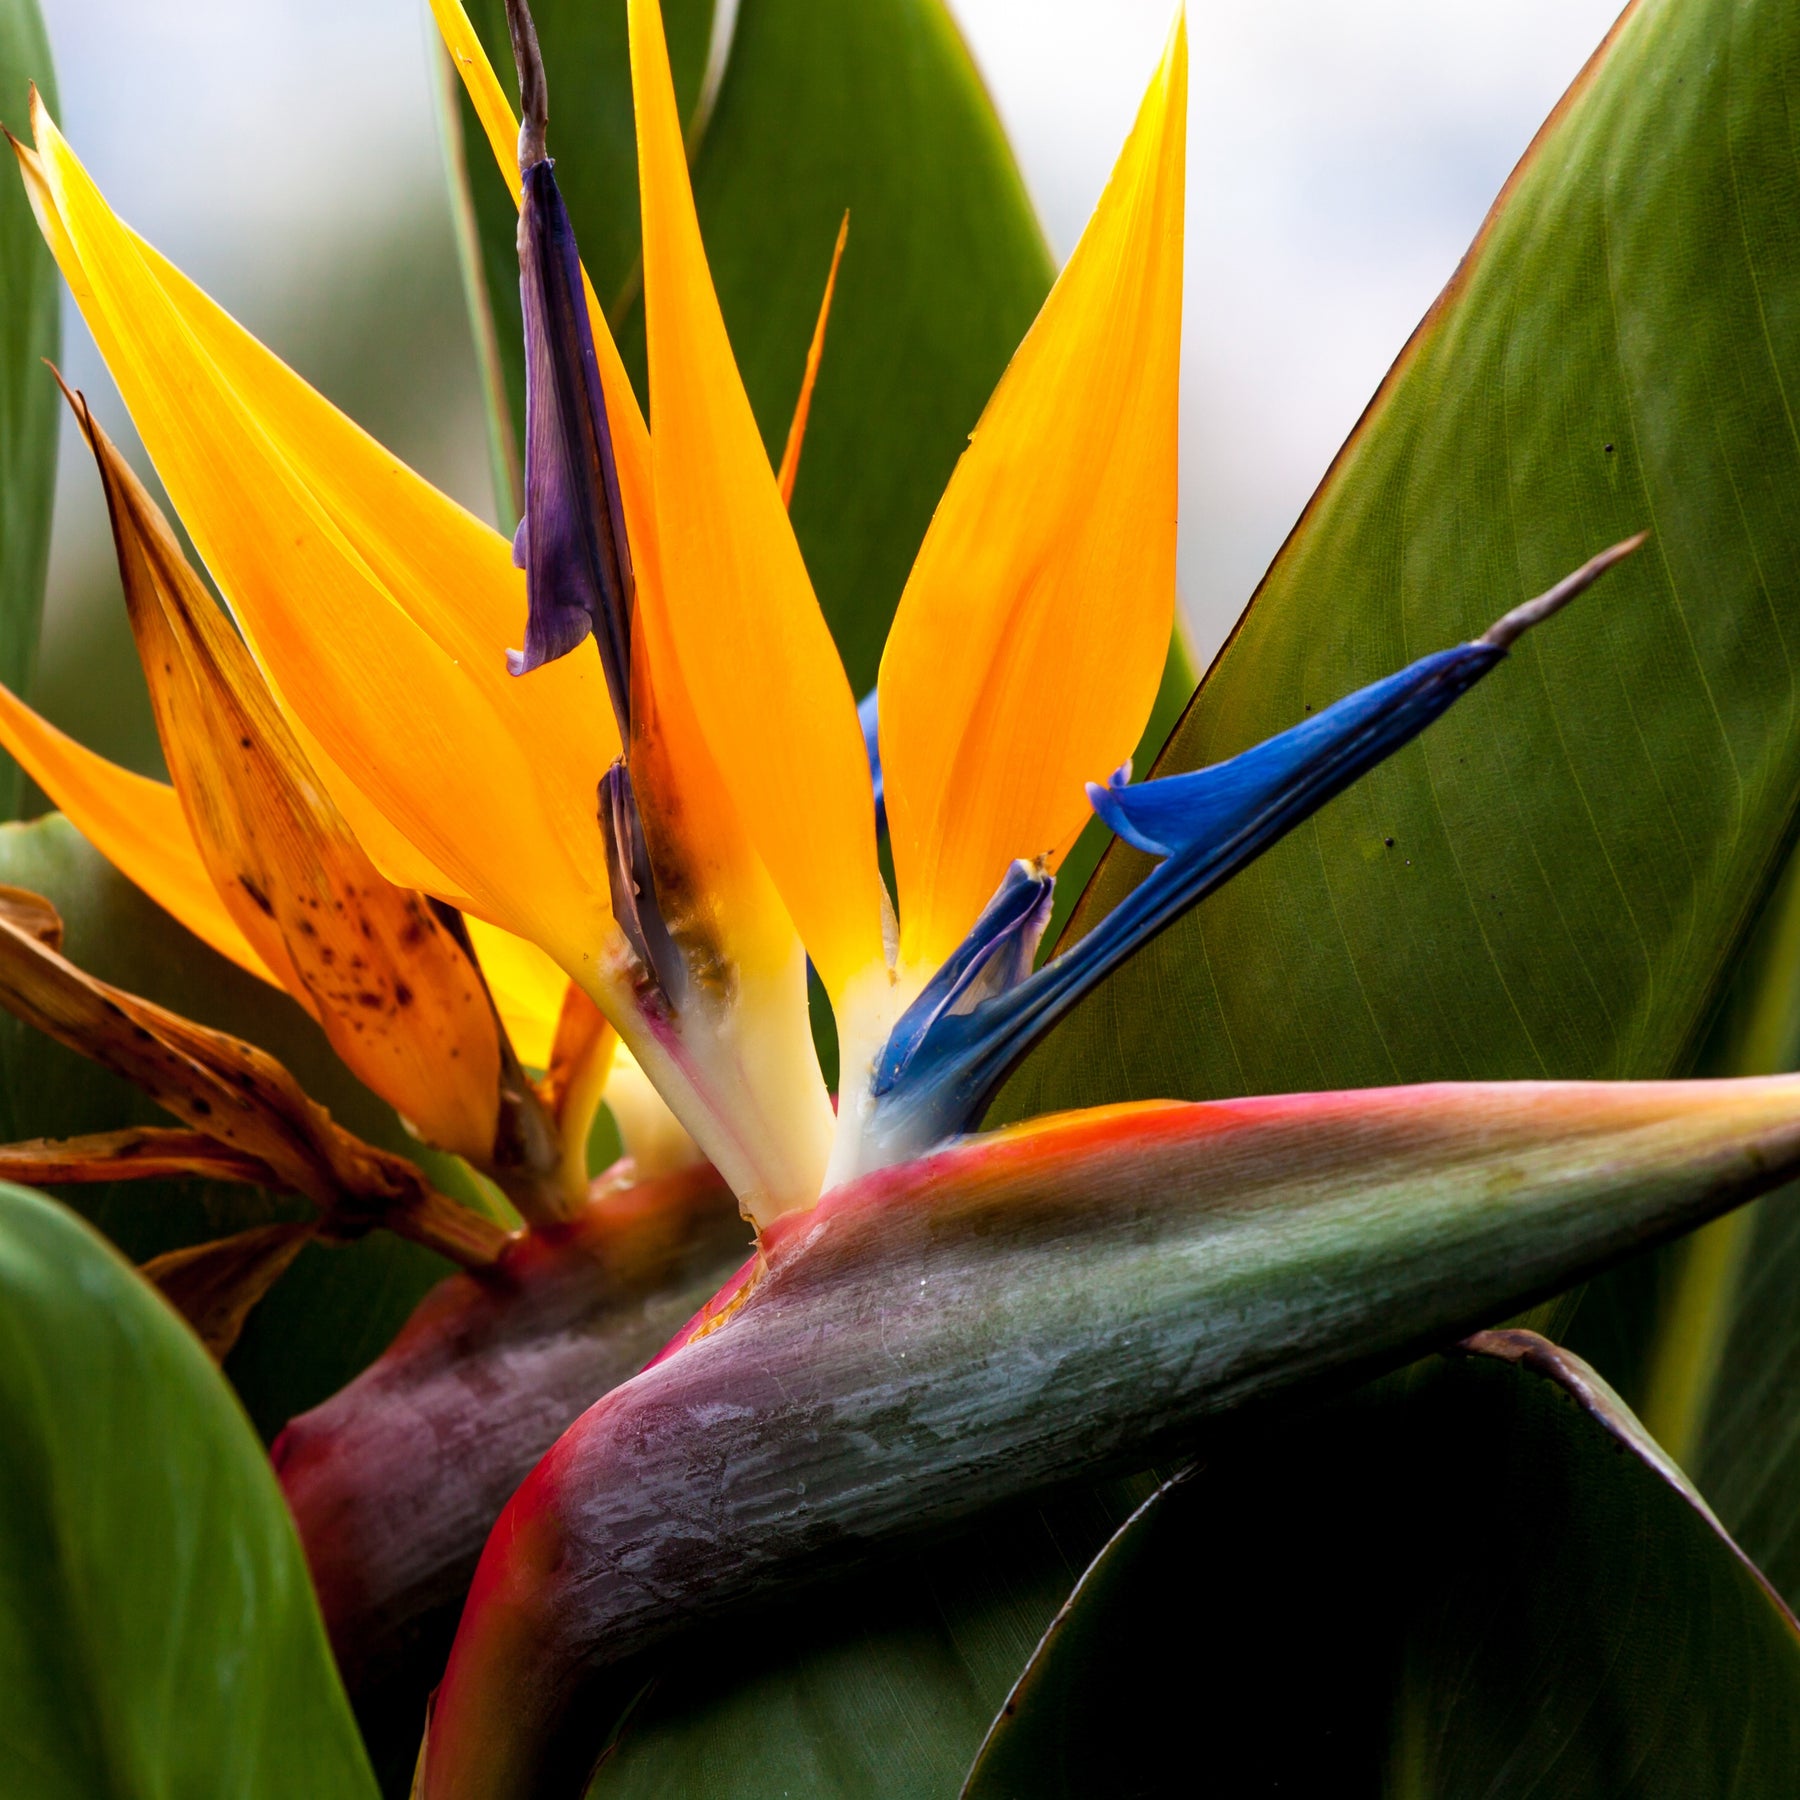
pixel 285 153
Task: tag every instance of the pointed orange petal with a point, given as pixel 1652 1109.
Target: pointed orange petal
pixel 679 787
pixel 450 573
pixel 387 700
pixel 758 659
pixel 486 94
pixel 815 351
pixel 399 1001
pixel 581 1059
pixel 137 824
pixel 395 855
pixel 1031 636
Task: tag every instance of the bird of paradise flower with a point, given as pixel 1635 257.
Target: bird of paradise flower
pixel 464 860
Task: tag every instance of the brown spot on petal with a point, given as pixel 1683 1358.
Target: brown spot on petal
pixel 262 900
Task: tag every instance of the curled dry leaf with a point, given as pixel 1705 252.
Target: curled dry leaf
pixel 214 1286
pixel 32 914
pixel 237 1096
pixel 139 1153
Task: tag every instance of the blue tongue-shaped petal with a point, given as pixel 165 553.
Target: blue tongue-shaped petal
pixel 1220 816
pixel 943 1063
pixel 995 957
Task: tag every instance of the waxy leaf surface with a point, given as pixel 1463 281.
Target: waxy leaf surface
pixel 883 1686
pixel 158 1634
pixel 1704 1335
pixel 1469 1586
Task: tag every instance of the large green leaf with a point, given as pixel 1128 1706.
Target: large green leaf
pixel 157 1630
pixel 30 412
pixel 1475 1583
pixel 1552 879
pixel 1704 1335
pixel 872 106
pixel 336 1308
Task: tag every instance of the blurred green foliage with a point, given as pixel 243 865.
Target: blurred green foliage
pixel 30 333
pixel 158 1631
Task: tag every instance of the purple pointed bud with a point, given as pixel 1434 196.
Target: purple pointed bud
pixel 571 542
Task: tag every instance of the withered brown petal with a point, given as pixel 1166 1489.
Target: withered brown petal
pixel 237 1095
pixel 139 1153
pixel 395 993
pixel 32 913
pixel 214 1286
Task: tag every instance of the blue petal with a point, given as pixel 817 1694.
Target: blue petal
pixel 1205 826
pixel 995 956
pixel 571 542
pixel 868 716
pixel 1182 816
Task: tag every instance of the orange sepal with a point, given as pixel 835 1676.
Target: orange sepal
pixel 1031 637
pixel 758 661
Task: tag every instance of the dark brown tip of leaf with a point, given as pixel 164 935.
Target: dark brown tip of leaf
pixel 1505 632
pixel 32 914
pixel 534 94
pixel 77 400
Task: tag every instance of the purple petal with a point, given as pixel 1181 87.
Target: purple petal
pixel 571 542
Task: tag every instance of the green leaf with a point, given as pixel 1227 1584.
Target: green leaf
pixel 882 1686
pixel 30 411
pixel 873 106
pixel 1476 1582
pixel 337 1307
pixel 1704 1334
pixel 1551 881
pixel 157 1630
